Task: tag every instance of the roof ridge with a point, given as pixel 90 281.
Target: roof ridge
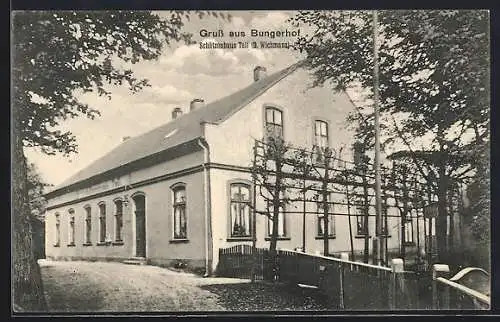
pixel 188 124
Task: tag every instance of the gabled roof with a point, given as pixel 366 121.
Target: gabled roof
pixel 183 129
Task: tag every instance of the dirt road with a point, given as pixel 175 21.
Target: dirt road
pixel 116 287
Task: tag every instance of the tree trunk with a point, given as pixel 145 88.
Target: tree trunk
pixel 442 214
pixel 27 282
pixel 366 220
pixel 326 220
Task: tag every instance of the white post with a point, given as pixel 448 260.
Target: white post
pixel 397 265
pixel 378 203
pixel 440 270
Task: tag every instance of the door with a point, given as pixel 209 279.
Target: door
pixel 140 226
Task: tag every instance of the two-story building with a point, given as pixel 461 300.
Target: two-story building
pixel 183 190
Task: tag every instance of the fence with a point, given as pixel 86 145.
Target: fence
pixel 456 293
pixel 349 285
pixel 242 261
pixel 352 285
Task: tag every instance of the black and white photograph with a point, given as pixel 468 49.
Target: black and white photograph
pixel 265 161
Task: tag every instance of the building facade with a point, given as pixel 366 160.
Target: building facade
pixel 183 190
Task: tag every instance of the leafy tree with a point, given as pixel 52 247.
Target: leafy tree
pixel 433 76
pixel 37 203
pixel 36 189
pixel 270 175
pixel 56 56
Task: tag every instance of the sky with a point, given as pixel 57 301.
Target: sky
pixel 179 75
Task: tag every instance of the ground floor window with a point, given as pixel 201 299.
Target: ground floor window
pixel 408 224
pixel 102 223
pixel 241 224
pixel 361 224
pixel 88 225
pixel 321 216
pixel 57 240
pixel 281 221
pixel 71 230
pixel 118 220
pixel 179 211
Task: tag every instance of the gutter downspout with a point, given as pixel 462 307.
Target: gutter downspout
pixel 206 189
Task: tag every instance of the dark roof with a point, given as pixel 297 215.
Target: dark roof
pixel 187 127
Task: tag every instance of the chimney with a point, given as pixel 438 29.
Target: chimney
pixel 125 138
pixel 259 72
pixel 176 113
pixel 196 103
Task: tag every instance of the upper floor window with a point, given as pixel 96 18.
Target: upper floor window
pixel 71 228
pixel 274 122
pixel 118 220
pixel 57 240
pixel 102 223
pixel 321 216
pixel 88 225
pixel 241 224
pixel 321 133
pixel 179 211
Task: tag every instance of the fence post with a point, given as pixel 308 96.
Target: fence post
pixel 440 270
pixel 397 265
pixel 343 257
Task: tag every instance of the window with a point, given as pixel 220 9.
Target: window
pixel 71 228
pixel 281 220
pixel 88 225
pixel 118 220
pixel 320 138
pixel 321 133
pixel 408 230
pixel 361 227
pixel 241 225
pixel 102 223
pixel 321 216
pixel 57 241
pixel 274 122
pixel 180 224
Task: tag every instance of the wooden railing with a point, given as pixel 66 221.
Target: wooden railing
pixel 350 285
pixel 452 294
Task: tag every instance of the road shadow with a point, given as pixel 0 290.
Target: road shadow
pixel 266 297
pixel 63 292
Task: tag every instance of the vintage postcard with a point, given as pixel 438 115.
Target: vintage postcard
pixel 250 161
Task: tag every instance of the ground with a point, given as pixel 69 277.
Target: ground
pixel 115 287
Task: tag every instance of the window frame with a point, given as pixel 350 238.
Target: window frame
pixel 183 205
pixel 88 225
pixel 275 109
pixel 360 217
pixel 283 222
pixel 57 241
pixel 241 183
pixel 118 221
pixel 331 216
pixel 408 222
pixel 71 227
pixel 316 136
pixel 102 223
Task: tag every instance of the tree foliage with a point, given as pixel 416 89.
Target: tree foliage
pixel 56 56
pixel 268 173
pixel 36 188
pixel 433 83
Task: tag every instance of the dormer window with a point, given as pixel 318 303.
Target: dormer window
pixel 274 122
